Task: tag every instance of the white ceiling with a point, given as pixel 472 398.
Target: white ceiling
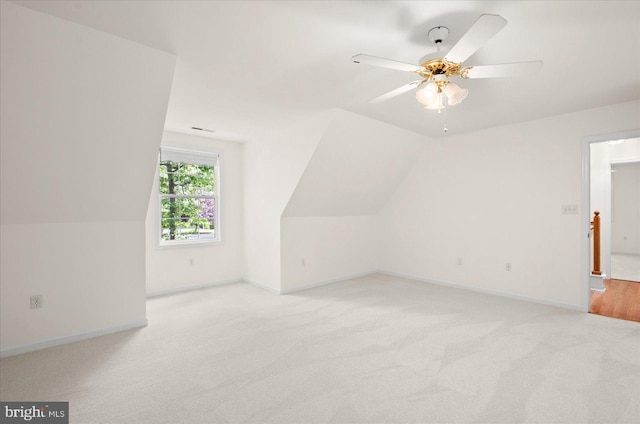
pixel 248 66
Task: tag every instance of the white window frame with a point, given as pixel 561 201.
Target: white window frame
pixel 193 157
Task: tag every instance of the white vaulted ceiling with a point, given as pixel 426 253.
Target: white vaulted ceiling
pixel 356 166
pixel 248 66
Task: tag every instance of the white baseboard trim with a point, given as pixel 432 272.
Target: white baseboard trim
pixel 485 291
pixel 262 286
pixel 596 282
pixel 326 282
pixel 310 285
pixel 70 339
pixel 174 290
pixel 622 252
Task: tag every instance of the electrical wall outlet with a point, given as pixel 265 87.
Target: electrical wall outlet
pixel 36 301
pixel 507 266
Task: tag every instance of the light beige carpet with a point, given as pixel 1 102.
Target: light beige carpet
pixel 376 349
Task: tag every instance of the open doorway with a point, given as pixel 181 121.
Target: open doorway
pixel 625 220
pixel 613 202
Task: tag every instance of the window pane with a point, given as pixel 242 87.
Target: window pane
pixel 187 190
pixel 186 179
pixel 196 179
pixel 164 178
pixel 188 218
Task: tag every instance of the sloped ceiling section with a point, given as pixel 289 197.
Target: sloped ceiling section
pixel 355 168
pixel 82 117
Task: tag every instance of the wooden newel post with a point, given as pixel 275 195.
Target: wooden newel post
pixel 596 244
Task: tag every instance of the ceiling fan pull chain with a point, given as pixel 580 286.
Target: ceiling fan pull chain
pixel 445 129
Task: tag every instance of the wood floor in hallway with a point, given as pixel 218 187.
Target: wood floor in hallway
pixel 621 300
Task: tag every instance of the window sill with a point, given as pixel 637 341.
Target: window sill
pixel 189 243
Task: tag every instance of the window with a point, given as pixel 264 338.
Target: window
pixel 189 197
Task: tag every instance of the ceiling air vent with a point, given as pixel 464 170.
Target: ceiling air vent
pixel 203 129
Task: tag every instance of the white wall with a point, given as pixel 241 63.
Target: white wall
pixel 600 181
pixel 177 267
pixel 625 231
pixel 321 249
pixel 82 115
pixel 273 165
pixel 330 220
pixel 602 156
pixel 494 196
pixel 600 200
pixel 91 275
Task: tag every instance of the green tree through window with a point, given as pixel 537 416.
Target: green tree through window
pixel 187 200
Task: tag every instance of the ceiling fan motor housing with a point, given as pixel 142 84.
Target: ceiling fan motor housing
pixel 438 34
pixel 440 67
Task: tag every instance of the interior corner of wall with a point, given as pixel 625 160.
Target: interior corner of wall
pixel 316 137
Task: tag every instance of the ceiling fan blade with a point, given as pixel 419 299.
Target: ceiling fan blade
pixel 519 69
pixel 396 92
pixel 385 63
pixel 480 32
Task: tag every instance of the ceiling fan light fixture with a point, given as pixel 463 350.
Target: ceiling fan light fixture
pixel 455 93
pixel 435 91
pixel 429 95
pixel 438 104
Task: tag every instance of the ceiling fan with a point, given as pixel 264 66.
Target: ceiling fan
pixel 435 72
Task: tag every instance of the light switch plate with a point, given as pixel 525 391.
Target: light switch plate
pixel 569 209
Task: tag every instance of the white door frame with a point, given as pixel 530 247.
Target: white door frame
pixel 585 215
